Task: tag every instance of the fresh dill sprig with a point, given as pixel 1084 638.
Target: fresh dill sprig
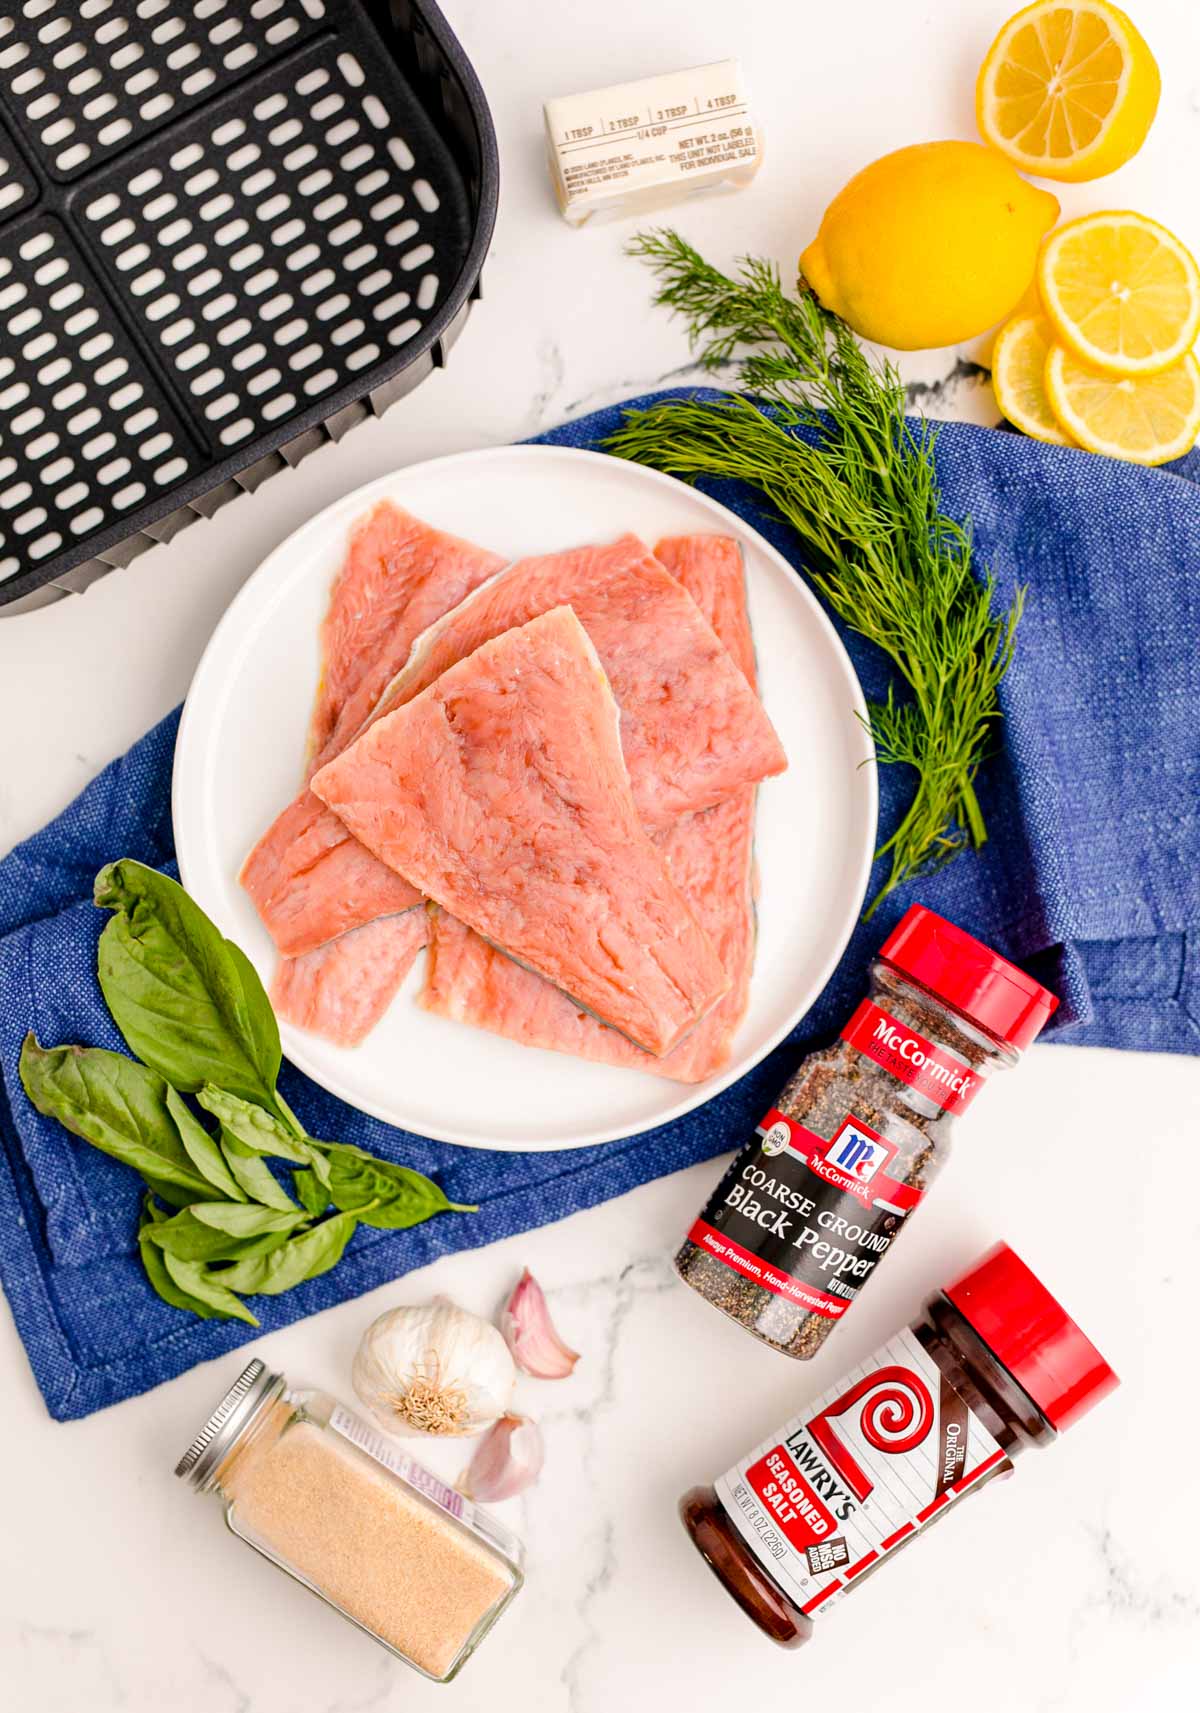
pixel 859 486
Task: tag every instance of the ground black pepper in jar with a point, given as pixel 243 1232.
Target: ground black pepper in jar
pixel 806 1212
pixel 995 1366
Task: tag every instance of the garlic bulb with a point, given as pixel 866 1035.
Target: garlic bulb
pixel 436 1369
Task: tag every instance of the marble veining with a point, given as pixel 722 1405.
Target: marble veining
pixel 1139 1596
pixel 1071 1588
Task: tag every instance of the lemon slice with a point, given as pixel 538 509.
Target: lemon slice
pixel 1068 90
pixel 1146 419
pixel 1018 371
pixel 1123 292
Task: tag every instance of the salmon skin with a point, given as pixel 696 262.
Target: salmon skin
pixel 307 877
pixel 692 730
pixel 711 859
pixel 399 576
pixel 342 989
pixel 501 792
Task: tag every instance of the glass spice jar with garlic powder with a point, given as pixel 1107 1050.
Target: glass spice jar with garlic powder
pixel 806 1212
pixel 322 1495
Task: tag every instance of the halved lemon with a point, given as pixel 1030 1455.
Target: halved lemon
pixel 1123 292
pixel 1068 90
pixel 1145 419
pixel 1018 377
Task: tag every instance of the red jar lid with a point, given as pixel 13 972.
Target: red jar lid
pixel 1033 1336
pixel 963 972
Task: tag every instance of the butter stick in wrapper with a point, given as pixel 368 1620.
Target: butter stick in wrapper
pixel 640 146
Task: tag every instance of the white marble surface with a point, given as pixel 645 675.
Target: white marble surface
pixel 1072 1589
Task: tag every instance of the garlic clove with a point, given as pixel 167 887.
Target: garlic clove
pixel 530 1335
pixel 434 1369
pixel 507 1460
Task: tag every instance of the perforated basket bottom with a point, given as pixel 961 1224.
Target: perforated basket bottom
pixel 283 221
pixel 276 252
pixel 86 432
pixel 87 77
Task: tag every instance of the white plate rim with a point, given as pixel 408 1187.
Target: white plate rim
pixel 189 745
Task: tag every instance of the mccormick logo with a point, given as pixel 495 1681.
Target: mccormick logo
pixel 858 1153
pixel 933 1071
pixel 923 1056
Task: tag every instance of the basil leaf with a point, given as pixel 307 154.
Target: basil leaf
pixel 319 1165
pixel 195 1280
pixel 302 1258
pixel 187 1001
pixel 311 1193
pixel 172 1194
pixel 115 1104
pixel 201 1148
pixel 164 1284
pixel 260 1131
pixel 401 1196
pixel 188 1238
pixel 242 1219
pixel 254 1175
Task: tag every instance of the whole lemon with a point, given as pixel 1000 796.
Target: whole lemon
pixel 929 245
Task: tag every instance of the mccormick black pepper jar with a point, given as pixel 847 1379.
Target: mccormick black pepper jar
pixel 996 1365
pixel 807 1210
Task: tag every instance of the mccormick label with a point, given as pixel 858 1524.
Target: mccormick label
pixel 944 1078
pixel 806 1216
pixel 880 1455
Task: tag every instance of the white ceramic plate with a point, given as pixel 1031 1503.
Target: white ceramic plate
pixel 239 755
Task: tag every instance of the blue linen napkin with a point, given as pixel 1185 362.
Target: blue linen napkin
pixel 1089 878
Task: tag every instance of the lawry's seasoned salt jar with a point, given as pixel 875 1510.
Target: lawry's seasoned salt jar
pixel 327 1499
pixel 995 1366
pixel 806 1212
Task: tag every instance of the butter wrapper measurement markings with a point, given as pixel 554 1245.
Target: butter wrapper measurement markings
pixel 639 146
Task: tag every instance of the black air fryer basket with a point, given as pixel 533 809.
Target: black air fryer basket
pixel 229 231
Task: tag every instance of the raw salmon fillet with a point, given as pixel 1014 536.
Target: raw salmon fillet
pixel 399 576
pixel 309 880
pixel 711 570
pixel 501 793
pixel 692 730
pixel 341 990
pixel 711 859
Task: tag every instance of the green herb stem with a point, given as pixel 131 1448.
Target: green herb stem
pixel 289 1117
pixel 822 434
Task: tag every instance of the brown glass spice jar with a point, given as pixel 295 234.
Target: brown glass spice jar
pixel 995 1366
pixel 808 1209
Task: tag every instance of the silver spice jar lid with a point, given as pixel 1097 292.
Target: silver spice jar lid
pixel 254 1386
